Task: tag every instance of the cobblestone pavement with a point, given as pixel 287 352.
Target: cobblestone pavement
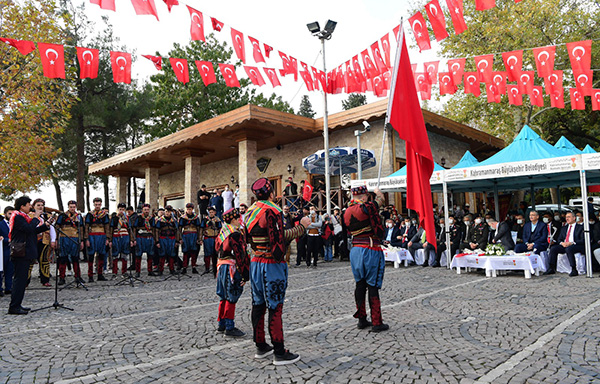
pixel 444 327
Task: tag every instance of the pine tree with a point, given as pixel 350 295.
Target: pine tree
pixel 306 109
pixel 354 100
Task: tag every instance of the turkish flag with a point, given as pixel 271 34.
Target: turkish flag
pixel 577 99
pixel 180 67
pixel 447 86
pixel 377 58
pixel 379 88
pixel 436 19
pixel 544 60
pixel 256 51
pixel 156 60
pixel 499 80
pixel 272 76
pixel 513 61
pixel 536 97
pixel 88 62
pixel 457 69
pixel 144 7
pixel 197 25
pixel 423 85
pixel 583 81
pixel 105 4
pixel 580 54
pixel 431 68
pixel 385 46
pixel 493 94
pixel 288 65
pixel 482 5
pixel 207 72
pixel 472 84
pixel 417 23
pixel 557 99
pixel 268 50
pixel 322 80
pixel 228 72
pixel 396 31
pixel 307 191
pixel 456 14
pixel 370 70
pixel 315 75
pixel 121 67
pixel 340 80
pixel 24 47
pixel 359 75
pixel 595 99
pixel 53 60
pixel 525 82
pixel 216 24
pixel 406 117
pixel 484 66
pixel 553 82
pixel 254 75
pixel 308 81
pixel 237 40
pixel 171 3
pixel 514 95
pixel 351 85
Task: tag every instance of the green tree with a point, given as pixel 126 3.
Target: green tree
pixel 354 100
pixel 306 109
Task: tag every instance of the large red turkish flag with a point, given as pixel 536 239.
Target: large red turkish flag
pixel 272 76
pixel 447 86
pixel 24 47
pixel 577 99
pixel 596 99
pixel 228 72
pixel 197 25
pixel 513 61
pixel 144 7
pixel 254 75
pixel 105 4
pixel 88 62
pixel 156 60
pixel 482 5
pixel 121 67
pixel 53 60
pixel 436 19
pixel 307 192
pixel 256 51
pixel 525 82
pixel 456 14
pixel 544 60
pixel 181 70
pixel 472 84
pixel 417 23
pixel 207 72
pixel 580 54
pixel 537 96
pixel 237 40
pixel 514 95
pixel 457 69
pixel 484 66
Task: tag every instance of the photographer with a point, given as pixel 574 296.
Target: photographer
pixel 23 238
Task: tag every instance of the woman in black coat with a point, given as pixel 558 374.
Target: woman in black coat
pixel 23 229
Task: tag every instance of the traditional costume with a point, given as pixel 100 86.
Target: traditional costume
pixel 191 232
pixel 121 240
pixel 97 228
pixel 210 230
pixel 167 235
pixel 44 249
pixel 69 243
pixel 143 228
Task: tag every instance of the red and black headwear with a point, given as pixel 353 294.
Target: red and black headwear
pixel 231 214
pixel 262 188
pixel 360 190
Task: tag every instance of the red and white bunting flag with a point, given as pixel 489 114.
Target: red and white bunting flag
pixel 197 25
pixel 447 86
pixel 482 5
pixel 171 3
pixel 268 50
pixel 580 54
pixel 431 69
pixel 121 67
pixel 53 60
pixel 493 94
pixel 216 24
pixel 254 75
pixel 396 31
pixel 417 23
pixel 472 83
pixel 456 14
pixel 315 75
pixel 308 80
pixel 370 70
pixel 423 85
pixel 181 70
pixel 289 67
pixel 377 58
pixel 385 47
pixel 156 60
pixel 525 82
pixel 499 80
pixel 544 60
pixel 554 82
pixel 484 65
pixel 514 95
pixel 583 81
pixel 24 47
pixel 557 98
pixel 322 77
pixel 207 72
pixel 577 99
pixel 351 85
pixel 536 97
pixel 256 51
pixel 456 67
pixel 359 75
pixel 105 4
pixel 513 61
pixel 88 62
pixel 228 72
pixel 145 7
pixel 340 80
pixel 436 19
pixel 272 76
pixel 596 100
pixel 237 40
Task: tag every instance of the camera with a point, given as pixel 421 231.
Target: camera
pixel 367 125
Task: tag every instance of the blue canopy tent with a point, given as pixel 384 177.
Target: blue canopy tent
pixel 566 147
pixel 588 149
pixel 468 160
pixel 402 171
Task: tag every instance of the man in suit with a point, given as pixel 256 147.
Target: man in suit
pixel 7 275
pixel 407 231
pixel 535 235
pixel 502 234
pixel 455 238
pixel 553 227
pixel 467 230
pixel 391 236
pixel 419 241
pixel 570 242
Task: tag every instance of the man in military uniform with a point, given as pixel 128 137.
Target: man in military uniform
pixel 191 232
pixel 479 235
pixel 211 226
pixel 366 257
pixel 268 270
pixel 167 238
pixel 455 236
pixel 46 243
pixel 121 240
pixel 97 229
pixel 70 241
pixel 143 229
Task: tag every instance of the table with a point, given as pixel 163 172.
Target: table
pixel 528 262
pixel 397 255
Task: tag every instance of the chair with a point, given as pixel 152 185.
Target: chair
pixel 563 266
pixel 420 257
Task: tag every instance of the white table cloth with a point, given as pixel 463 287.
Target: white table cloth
pixel 397 255
pixel 530 263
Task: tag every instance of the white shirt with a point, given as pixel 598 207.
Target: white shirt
pixel 227 196
pixel 236 199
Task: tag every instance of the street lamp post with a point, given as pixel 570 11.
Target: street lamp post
pixel 358 133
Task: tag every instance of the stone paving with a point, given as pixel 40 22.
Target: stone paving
pixel 444 327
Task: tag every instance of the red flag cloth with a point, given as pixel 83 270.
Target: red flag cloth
pixel 385 46
pixel 577 99
pixel 307 192
pixel 537 96
pixel 456 14
pixel 197 25
pixel 308 81
pixel 580 54
pixel 121 67
pixel 557 98
pixel 396 31
pixel 272 76
pixel 144 7
pixel 288 65
pixel 53 60
pixel 499 80
pixel 268 50
pixel 405 115
pixel 413 67
pixel 171 3
pixel 156 60
pixel 447 86
pixel 457 69
pixel 583 81
pixel 553 82
pixel 484 66
pixel 526 79
pixel 180 67
pixel 105 4
pixel 88 62
pixel 513 61
pixel 544 60
pixel 482 5
pixel 207 72
pixel 514 95
pixel 322 80
pixel 417 23
pixel 228 72
pixel 256 51
pixel 378 58
pixel 216 24
pixel 436 19
pixel 370 70
pixel 493 94
pixel 254 75
pixel 237 40
pixel 351 85
pixel 596 99
pixel 594 188
pixel 359 75
pixel 379 86
pixel 472 84
pixel 431 68
pixel 24 47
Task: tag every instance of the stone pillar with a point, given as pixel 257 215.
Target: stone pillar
pixel 192 178
pixel 122 189
pixel 152 186
pixel 248 172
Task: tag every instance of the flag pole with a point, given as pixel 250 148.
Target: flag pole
pixel 387 126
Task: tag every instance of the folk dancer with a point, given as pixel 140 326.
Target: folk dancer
pixel 70 241
pixel 45 245
pixel 211 226
pixel 97 228
pixel 121 240
pixel 167 237
pixel 191 232
pixel 143 229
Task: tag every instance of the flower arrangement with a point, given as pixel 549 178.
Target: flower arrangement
pixel 495 250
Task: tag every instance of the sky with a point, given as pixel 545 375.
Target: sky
pixel 281 24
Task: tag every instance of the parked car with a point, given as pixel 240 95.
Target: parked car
pixel 553 207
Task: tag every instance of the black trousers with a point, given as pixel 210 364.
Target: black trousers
pixel 301 248
pixel 20 277
pixel 441 247
pixel 570 251
pixel 313 249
